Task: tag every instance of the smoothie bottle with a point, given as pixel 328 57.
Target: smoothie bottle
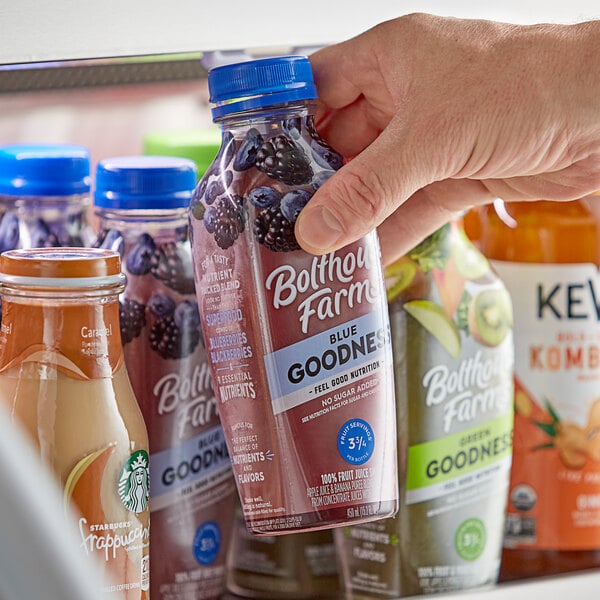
pixel 279 567
pixel 451 323
pixel 63 377
pixel 44 196
pixel 141 202
pixel 548 255
pixel 299 345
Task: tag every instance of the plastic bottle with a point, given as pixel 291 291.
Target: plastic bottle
pixel 299 345
pixel 281 567
pixel 44 196
pixel 141 202
pixel 451 321
pixel 199 145
pixel 63 377
pixel 548 254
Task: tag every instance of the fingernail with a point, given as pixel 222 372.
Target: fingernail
pixel 320 228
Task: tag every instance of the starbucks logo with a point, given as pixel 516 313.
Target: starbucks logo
pixel 134 483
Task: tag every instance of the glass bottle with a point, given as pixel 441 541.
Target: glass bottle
pixel 141 203
pixel 44 196
pixel 451 321
pixel 63 377
pixel 299 345
pixel 548 254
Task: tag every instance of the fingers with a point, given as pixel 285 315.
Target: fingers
pixel 362 194
pixel 427 210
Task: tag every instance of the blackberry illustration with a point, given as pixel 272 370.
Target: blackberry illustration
pixel 173 268
pixel 9 232
pixel 230 217
pixel 281 159
pixel 274 231
pixel 293 202
pixel 132 319
pixel 139 259
pixel 172 342
pixel 246 155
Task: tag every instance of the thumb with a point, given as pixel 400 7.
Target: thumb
pixel 362 194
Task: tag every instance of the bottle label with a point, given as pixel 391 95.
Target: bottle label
pixel 113 537
pixel 88 348
pixel 299 345
pixel 554 500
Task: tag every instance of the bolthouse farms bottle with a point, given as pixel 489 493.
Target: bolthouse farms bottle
pixel 299 345
pixel 451 321
pixel 63 377
pixel 141 202
pixel 548 254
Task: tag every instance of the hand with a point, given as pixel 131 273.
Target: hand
pixel 442 114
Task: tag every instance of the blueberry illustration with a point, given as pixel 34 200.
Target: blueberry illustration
pixel 264 196
pixel 214 190
pixel 111 239
pixel 320 178
pixel 210 219
pixel 139 259
pixel 246 155
pixel 325 156
pixel 161 305
pixel 227 178
pixel 226 151
pixel 293 202
pixel 292 127
pixel 200 188
pixel 41 236
pixel 186 315
pixel 9 232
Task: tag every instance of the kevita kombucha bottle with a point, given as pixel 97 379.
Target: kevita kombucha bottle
pixel 141 202
pixel 451 320
pixel 548 254
pixel 299 345
pixel 63 377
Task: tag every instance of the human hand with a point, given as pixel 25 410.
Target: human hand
pixel 442 114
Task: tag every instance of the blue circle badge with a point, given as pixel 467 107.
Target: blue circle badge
pixel 356 441
pixel 207 542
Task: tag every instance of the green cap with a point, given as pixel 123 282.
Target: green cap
pixel 199 145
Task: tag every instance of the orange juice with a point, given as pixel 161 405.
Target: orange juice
pixel 548 255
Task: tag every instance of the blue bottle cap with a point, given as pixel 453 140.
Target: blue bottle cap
pixel 260 83
pixel 44 170
pixel 144 182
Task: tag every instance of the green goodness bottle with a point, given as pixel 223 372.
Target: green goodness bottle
pixel 451 323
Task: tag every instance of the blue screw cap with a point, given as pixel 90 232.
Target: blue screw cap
pixel 44 170
pixel 256 84
pixel 144 182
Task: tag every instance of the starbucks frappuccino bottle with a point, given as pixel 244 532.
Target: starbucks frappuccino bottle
pixel 141 203
pixel 451 321
pixel 548 254
pixel 62 376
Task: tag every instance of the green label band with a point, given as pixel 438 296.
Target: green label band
pixel 461 454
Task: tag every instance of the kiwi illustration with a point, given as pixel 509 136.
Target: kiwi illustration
pixel 435 320
pixel 398 276
pixel 490 316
